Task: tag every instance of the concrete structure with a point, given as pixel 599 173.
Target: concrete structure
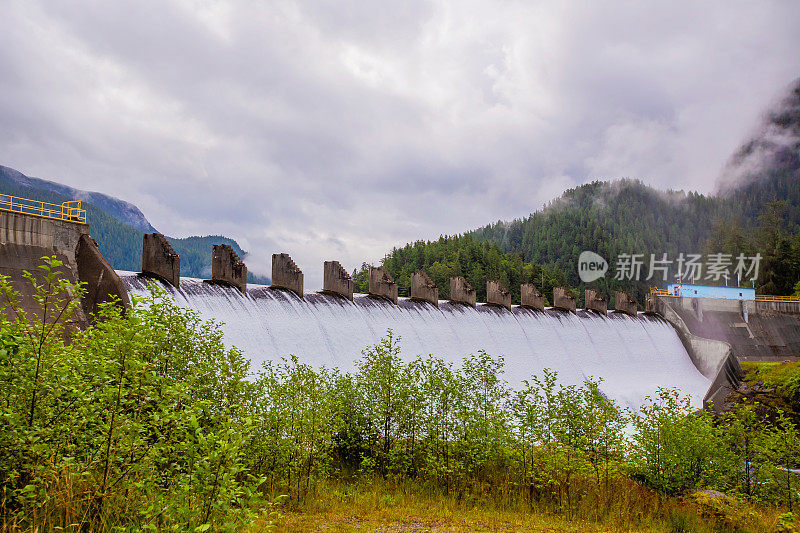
pixel 594 301
pixel 25 239
pixel 102 282
pixel 787 308
pixel 713 358
pixel 286 274
pixel 650 304
pixel 58 236
pixel 496 294
pixel 160 260
pixel 17 258
pixel 336 280
pixel 423 289
pixel 227 268
pixel 462 292
pixel 381 284
pixel 624 303
pixel 531 297
pixel 755 330
pixel 711 291
pixel 563 299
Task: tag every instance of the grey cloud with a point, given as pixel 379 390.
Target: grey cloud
pixel 336 130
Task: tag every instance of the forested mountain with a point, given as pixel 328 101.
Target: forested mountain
pixel 628 217
pixel 118 226
pixel 757 210
pixel 613 218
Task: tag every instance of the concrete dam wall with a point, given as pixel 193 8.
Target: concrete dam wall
pixel 633 355
pixel 755 330
pixel 25 239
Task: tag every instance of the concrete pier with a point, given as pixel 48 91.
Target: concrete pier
pixel 563 299
pixel 26 238
pixel 531 297
pixel 160 260
pixel 651 304
pixel 498 295
pixel 381 284
pixel 595 301
pixel 286 274
pixel 462 292
pixel 226 267
pixel 624 303
pixel 336 280
pixel 102 282
pixel 423 289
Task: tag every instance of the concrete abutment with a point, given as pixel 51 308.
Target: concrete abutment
pixel 382 285
pixel 623 303
pixel 25 239
pixel 286 274
pixel 462 292
pixel 530 296
pixel 423 289
pixel 595 301
pixel 227 268
pixel 563 299
pixel 497 295
pixel 102 281
pixel 160 260
pixel 336 280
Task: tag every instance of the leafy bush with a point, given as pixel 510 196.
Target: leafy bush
pixel 136 421
pixel 674 449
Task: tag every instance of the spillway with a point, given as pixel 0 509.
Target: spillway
pixel 633 356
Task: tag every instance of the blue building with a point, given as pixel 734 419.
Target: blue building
pixel 711 291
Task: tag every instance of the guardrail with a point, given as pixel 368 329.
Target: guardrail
pixel 660 292
pixel 69 211
pixel 768 298
pixel 759 297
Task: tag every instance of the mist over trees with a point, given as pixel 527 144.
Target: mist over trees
pixel 614 218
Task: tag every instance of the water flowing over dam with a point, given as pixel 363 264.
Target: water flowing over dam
pixel 633 356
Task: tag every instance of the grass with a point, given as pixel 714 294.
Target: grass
pixel 781 376
pixel 381 507
pixel 772 373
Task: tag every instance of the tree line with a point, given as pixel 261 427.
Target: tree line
pixel 461 255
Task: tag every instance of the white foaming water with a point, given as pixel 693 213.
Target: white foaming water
pixel 633 356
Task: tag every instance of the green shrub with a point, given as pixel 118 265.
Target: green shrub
pixel 135 422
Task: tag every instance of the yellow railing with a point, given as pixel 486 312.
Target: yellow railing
pixel 659 292
pixel 759 297
pixel 70 211
pixel 768 298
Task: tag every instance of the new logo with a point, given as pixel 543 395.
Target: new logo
pixel 591 266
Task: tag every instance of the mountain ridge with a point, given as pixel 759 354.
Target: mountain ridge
pixel 125 212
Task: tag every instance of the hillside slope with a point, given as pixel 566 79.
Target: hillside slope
pixel 125 212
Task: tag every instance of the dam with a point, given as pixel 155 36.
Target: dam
pixel 634 356
pixel 633 353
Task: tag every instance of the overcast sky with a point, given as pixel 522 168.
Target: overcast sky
pixel 336 130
